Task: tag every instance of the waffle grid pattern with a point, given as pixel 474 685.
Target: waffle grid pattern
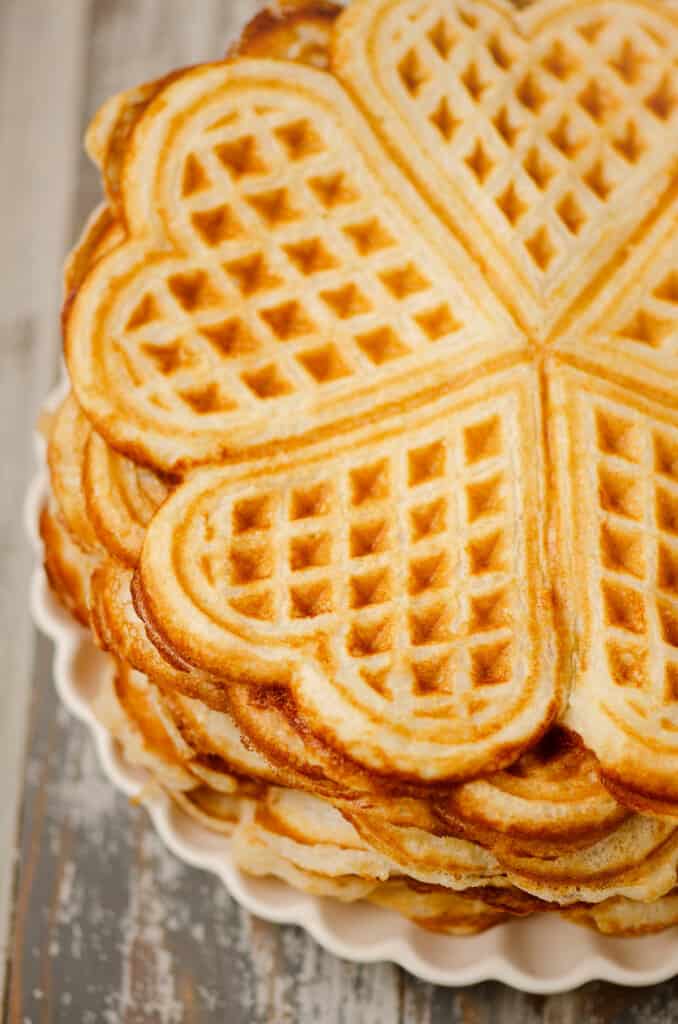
pixel 410 548
pixel 652 321
pixel 297 283
pixel 545 132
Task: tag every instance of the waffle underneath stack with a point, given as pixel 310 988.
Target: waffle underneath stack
pixel 368 476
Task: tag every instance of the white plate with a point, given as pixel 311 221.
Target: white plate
pixel 542 954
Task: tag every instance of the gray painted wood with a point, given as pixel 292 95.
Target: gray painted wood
pixel 39 127
pixel 103 925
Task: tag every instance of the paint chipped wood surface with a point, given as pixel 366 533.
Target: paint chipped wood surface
pixel 99 924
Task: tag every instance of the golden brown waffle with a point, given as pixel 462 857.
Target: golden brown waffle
pixel 415 658
pixel 419 318
pixel 127 708
pixel 421 854
pixel 297 30
pixel 624 918
pixel 637 859
pixel 199 710
pixel 121 498
pixel 631 854
pixel 135 713
pixel 120 630
pixel 549 801
pixel 67 565
pixel 216 811
pixel 236 771
pixel 311 835
pixel 173 725
pixel 268 716
pixel 437 910
pixel 618 917
pixel 105 499
pixel 130 710
pixel 68 436
pixel 145 726
pixel 271 721
pixel 286 30
pixel 550 804
pixel 162 722
pixel 619 486
pixel 101 233
pixel 303 841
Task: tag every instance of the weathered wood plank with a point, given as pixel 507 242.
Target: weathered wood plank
pixel 108 926
pixel 39 125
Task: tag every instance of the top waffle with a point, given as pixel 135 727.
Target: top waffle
pixel 425 307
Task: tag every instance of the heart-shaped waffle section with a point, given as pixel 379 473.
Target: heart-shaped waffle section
pixel 278 280
pixel 395 584
pixel 542 137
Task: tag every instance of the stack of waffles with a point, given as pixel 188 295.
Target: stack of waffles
pixel 368 478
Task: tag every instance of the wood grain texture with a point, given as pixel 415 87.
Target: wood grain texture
pixel 39 127
pixel 105 925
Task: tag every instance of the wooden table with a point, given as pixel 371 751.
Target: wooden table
pixel 99 923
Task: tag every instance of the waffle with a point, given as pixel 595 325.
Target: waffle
pixel 352 560
pixel 624 918
pixel 68 435
pixel 549 801
pixel 437 910
pixel 121 498
pixel 105 499
pixel 67 566
pixel 368 479
pixel 125 705
pixel 419 853
pixel 294 30
pixel 403 833
pixel 284 30
pixel 270 720
pixel 120 630
pixel 232 769
pixel 130 710
pixel 312 835
pixel 621 540
pixel 268 717
pixel 637 860
pixel 101 233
